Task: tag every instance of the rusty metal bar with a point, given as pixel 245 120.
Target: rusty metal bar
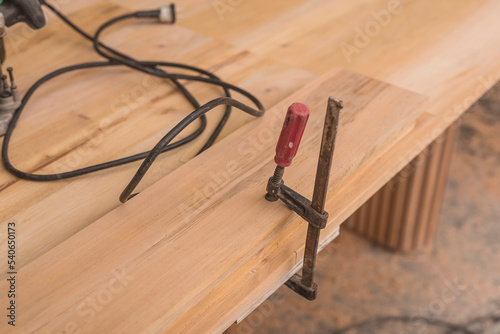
pixel 321 187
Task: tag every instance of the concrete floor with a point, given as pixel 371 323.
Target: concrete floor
pixel 456 279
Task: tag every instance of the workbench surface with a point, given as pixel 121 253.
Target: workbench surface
pixel 429 61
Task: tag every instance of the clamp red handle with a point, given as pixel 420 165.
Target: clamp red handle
pixel 291 134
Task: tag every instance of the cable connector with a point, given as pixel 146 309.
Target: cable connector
pixel 167 14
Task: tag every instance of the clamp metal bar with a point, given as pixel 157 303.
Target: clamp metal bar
pixel 311 211
pixel 321 187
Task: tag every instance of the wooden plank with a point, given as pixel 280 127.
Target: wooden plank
pixel 413 204
pixel 33 147
pixel 457 73
pixel 437 52
pixel 189 222
pixel 437 49
pixel 441 52
pixel 448 141
pixel 96 126
pixel 435 166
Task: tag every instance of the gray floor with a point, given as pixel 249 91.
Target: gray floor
pixel 456 279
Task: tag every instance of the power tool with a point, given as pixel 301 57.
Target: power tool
pixel 12 12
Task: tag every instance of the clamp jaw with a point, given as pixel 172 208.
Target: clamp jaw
pixel 298 203
pixel 311 211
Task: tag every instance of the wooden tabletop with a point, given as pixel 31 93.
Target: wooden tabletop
pixel 445 51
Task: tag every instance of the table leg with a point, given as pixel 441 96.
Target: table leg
pixel 403 215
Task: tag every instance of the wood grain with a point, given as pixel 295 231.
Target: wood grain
pixel 414 197
pixel 433 49
pixel 116 113
pixel 180 229
pixel 437 49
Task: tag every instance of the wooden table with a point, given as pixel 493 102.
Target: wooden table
pixel 192 263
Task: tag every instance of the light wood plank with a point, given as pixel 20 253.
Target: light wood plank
pixel 98 127
pixel 176 223
pixel 441 52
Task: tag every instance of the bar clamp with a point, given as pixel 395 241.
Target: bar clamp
pixel 311 211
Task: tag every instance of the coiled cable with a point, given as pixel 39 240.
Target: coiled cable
pixel 155 68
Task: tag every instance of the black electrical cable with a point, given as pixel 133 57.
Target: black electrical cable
pixel 98 45
pixel 178 128
pixel 117 58
pixel 126 60
pixel 130 62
